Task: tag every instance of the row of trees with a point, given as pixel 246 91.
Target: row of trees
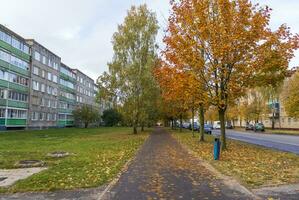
pixel 227 47
pixel 215 51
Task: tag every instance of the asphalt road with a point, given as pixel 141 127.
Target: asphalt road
pixel 287 143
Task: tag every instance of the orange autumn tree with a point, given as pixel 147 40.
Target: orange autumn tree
pixel 180 90
pixel 229 46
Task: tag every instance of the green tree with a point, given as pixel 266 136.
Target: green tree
pixel 130 76
pixel 111 117
pixel 290 96
pixel 86 115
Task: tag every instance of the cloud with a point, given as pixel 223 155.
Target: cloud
pixel 80 31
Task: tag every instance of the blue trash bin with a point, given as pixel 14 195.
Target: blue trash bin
pixel 217 144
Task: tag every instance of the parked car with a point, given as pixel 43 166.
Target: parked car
pixel 249 127
pixel 208 129
pixel 229 125
pixel 217 125
pixel 259 127
pixel 196 127
pixel 186 125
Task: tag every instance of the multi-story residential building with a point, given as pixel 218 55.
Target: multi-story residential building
pixel 44 87
pixel 14 79
pixel 275 114
pixel 67 96
pixel 36 89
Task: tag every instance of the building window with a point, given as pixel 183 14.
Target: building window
pixel 55 78
pixel 5 37
pixel 17 79
pixel 16 114
pixel 37 56
pixel 35 85
pixel 289 120
pixel 42 87
pixel 49 89
pixel 43 73
pixel 41 116
pixel 44 60
pixel 35 70
pixel 42 103
pixel 17 96
pixel 55 66
pixel 2 112
pixel 49 76
pixel 55 91
pixel 34 116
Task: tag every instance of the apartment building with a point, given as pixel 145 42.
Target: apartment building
pixel 14 79
pixel 67 96
pixel 44 87
pixel 36 89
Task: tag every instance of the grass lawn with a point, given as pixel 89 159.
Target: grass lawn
pixel 252 165
pixel 275 131
pixel 99 155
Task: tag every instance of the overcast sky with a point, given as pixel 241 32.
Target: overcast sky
pixel 80 31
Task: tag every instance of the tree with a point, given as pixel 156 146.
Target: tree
pixel 290 96
pixel 111 117
pixel 130 78
pixel 229 46
pixel 86 115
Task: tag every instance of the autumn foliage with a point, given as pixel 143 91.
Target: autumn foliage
pixel 227 46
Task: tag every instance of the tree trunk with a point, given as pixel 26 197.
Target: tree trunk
pixel 134 129
pixel 273 120
pixel 181 122
pixel 192 125
pixel 222 127
pixel 85 124
pixel 142 128
pixel 202 123
pixel 172 124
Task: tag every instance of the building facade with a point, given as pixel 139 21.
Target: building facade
pixel 15 59
pixel 36 89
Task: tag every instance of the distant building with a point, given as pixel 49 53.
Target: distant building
pixel 36 89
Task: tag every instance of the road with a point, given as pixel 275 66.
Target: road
pixel 280 142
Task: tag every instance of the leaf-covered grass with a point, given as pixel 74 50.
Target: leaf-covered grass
pixel 99 155
pixel 253 165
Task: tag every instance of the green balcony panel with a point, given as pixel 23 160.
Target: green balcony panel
pixel 17 104
pixel 61 110
pixel 73 91
pixel 67 78
pixel 66 99
pixel 19 70
pixel 4 45
pixel 16 122
pixel 3 83
pixel 70 122
pixel 4 65
pixel 18 87
pixel 2 121
pixel 3 102
pixel 17 52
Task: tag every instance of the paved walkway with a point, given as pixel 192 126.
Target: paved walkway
pixel 164 170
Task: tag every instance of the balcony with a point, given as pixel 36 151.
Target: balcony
pixel 15 51
pixel 67 78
